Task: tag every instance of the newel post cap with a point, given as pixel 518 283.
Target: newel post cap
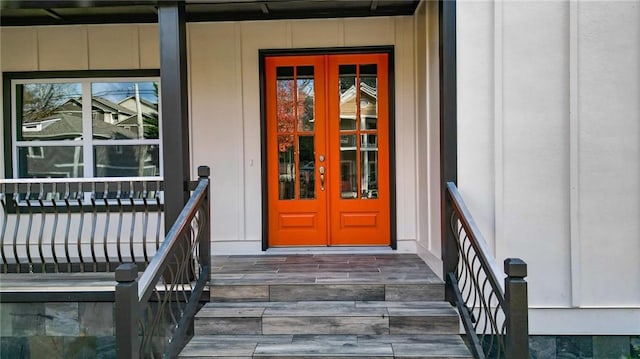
pixel 126 272
pixel 515 267
pixel 204 171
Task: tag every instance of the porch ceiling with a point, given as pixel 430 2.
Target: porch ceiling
pixel 63 12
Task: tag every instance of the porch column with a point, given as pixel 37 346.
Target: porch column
pixel 175 114
pixel 448 132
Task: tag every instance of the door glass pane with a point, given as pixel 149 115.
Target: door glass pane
pixel 347 97
pixel 51 162
pixel 369 165
pixel 286 167
pixel 348 167
pixel 305 85
pixel 307 167
pixel 126 161
pixel 124 110
pixel 49 111
pixel 284 99
pixel 368 97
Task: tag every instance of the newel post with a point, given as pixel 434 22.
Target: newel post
pixel 205 242
pixel 127 342
pixel 517 306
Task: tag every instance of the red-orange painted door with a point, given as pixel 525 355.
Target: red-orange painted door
pixel 296 137
pixel 327 150
pixel 359 150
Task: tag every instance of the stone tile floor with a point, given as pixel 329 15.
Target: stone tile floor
pixel 322 269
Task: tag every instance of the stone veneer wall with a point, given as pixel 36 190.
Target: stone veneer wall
pixel 584 347
pixel 86 330
pixel 57 330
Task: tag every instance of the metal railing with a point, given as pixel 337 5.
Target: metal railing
pixel 79 225
pixel 494 317
pixel 154 311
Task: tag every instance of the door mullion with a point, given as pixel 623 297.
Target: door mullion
pixel 296 149
pixel 358 144
pixel 328 137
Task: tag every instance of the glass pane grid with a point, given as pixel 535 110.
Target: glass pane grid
pixel 358 127
pixel 295 109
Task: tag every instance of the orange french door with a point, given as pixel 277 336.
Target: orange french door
pixel 327 150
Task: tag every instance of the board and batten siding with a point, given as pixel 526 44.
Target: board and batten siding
pixel 427 160
pixel 549 152
pixel 224 98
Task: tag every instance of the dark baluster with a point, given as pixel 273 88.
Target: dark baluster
pixel 5 219
pixel 517 338
pixel 43 217
pixel 159 213
pixel 16 198
pixel 145 222
pixel 80 200
pixel 94 224
pixel 120 219
pixel 132 228
pixel 107 216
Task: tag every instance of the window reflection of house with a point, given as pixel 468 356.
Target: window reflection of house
pixel 67 160
pixel 149 112
pixel 123 114
pixel 368 145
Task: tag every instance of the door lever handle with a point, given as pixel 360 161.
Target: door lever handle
pixel 321 170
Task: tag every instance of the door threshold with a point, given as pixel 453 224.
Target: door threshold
pixel 331 250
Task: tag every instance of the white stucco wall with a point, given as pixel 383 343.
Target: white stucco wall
pixel 225 100
pixel 549 152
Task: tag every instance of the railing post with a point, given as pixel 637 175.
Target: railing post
pixel 127 342
pixel 205 242
pixel 515 293
pixel 450 256
pixel 448 132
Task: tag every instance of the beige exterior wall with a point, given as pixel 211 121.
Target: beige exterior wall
pixel 428 133
pixel 225 99
pixel 549 152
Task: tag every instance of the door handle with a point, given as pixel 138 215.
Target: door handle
pixel 321 170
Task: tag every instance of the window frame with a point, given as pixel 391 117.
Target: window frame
pixel 85 78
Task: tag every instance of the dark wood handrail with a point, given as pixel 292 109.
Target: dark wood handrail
pixel 502 309
pixel 477 239
pixel 155 269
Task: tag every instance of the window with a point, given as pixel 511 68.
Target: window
pixel 86 127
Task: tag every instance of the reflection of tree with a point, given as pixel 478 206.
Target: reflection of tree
pixel 284 113
pixel 151 129
pixel 42 100
pixel 286 109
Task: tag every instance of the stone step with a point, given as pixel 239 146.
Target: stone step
pixel 327 346
pixel 321 317
pixel 293 292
